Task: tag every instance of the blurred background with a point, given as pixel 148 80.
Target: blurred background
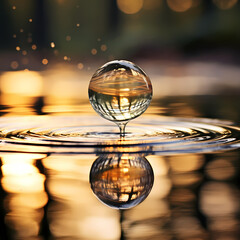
pixel 50 49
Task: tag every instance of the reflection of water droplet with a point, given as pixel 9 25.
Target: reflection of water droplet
pixel 121 181
pixel 120 91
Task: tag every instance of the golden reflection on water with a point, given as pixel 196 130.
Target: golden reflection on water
pixel 194 196
pixel 26 195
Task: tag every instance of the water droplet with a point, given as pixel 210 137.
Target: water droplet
pixel 121 181
pixel 120 91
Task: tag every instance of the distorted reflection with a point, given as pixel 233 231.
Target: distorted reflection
pixel 121 181
pixel 26 195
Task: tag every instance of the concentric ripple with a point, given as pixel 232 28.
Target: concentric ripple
pixel 89 134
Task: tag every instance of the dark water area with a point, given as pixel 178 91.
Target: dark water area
pixel 175 175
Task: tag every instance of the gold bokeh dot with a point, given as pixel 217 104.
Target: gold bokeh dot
pixel 18 48
pixel 94 51
pixel 80 66
pixel 44 61
pixel 14 64
pixel 52 44
pixel 130 6
pixel 103 47
pixel 34 47
pixel 179 5
pixel 24 52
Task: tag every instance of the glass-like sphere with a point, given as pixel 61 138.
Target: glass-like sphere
pixel 121 181
pixel 120 91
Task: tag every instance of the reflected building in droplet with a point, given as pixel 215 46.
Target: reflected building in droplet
pixel 121 181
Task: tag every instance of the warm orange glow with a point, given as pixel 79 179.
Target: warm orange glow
pixel 152 4
pixel 18 169
pixel 31 183
pixel 220 169
pixel 130 7
pixel 52 45
pixel 28 200
pixel 26 83
pixel 103 47
pixel 80 66
pixel 225 4
pixel 44 61
pixel 186 163
pixel 34 47
pixel 179 5
pixel 94 51
pixel 18 48
pixel 14 65
pixel 24 52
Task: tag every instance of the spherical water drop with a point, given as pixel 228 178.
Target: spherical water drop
pixel 120 91
pixel 121 181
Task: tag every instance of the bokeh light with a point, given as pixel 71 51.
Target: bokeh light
pixel 225 4
pixel 130 7
pixel 179 5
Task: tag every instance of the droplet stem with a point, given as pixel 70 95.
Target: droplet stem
pixel 122 127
